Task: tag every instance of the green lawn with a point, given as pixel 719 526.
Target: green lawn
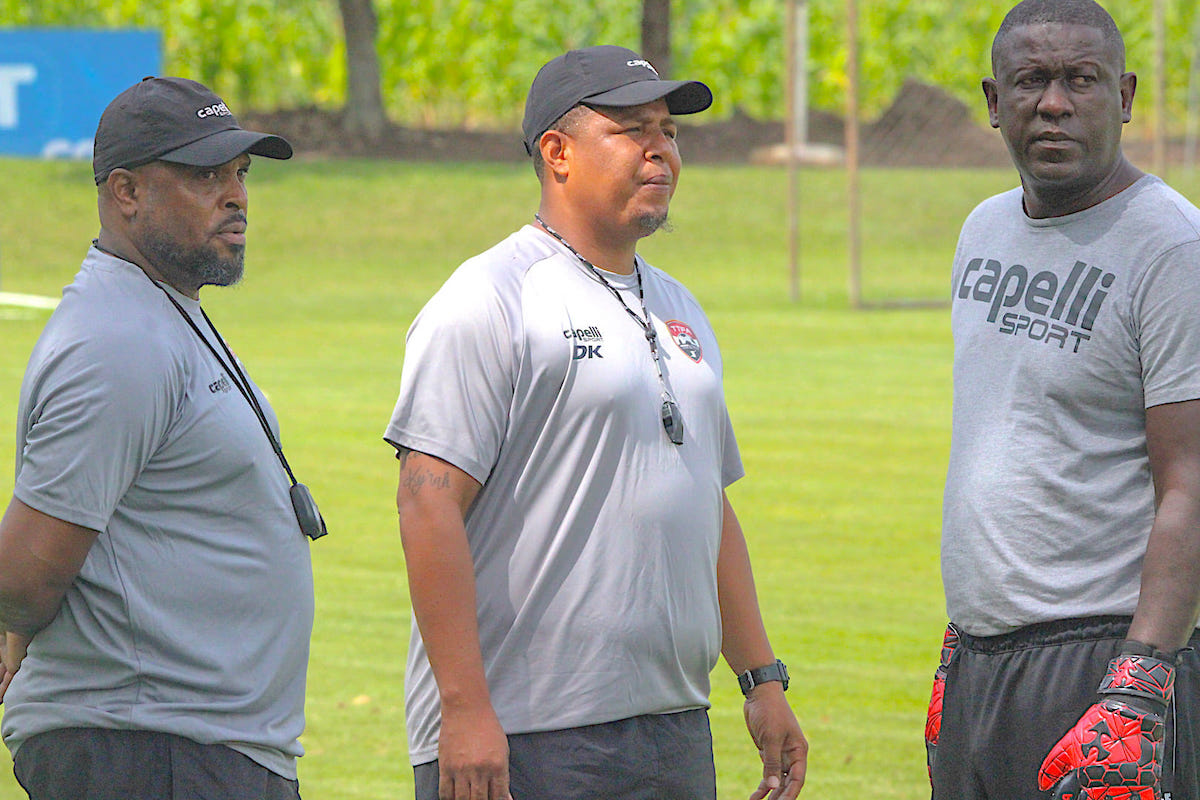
pixel 843 418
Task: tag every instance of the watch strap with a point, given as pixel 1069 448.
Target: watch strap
pixel 771 672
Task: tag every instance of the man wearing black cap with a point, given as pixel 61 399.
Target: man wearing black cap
pixel 564 444
pixel 155 584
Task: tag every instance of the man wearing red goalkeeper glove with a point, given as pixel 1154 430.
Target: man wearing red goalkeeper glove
pixel 1071 516
pixel 1115 750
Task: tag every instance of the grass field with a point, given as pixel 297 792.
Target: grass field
pixel 843 419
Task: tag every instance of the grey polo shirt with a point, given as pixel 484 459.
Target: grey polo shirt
pixel 193 611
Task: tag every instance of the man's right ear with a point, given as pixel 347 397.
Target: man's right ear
pixel 554 146
pixel 123 187
pixel 991 94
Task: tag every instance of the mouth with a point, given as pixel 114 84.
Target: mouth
pixel 233 231
pixel 1053 146
pixel 659 181
pixel 1053 138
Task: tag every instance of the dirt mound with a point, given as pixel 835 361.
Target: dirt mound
pixel 320 132
pixel 923 127
pixel 926 127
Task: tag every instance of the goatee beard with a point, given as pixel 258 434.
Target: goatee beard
pixel 196 266
pixel 649 223
pixel 217 271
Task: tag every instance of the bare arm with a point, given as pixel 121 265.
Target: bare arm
pixel 772 724
pixel 39 557
pixel 1124 739
pixel 1170 596
pixel 432 500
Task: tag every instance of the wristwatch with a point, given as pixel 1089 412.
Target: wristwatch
pixel 772 672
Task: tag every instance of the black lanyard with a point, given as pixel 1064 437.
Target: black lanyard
pixel 234 370
pixel 672 417
pixel 312 524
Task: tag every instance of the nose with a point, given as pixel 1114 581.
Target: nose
pixel 659 146
pixel 235 192
pixel 1055 101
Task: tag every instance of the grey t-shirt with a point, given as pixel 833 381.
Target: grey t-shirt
pixel 594 537
pixel 1065 331
pixel 193 610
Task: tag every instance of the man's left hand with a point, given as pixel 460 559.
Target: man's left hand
pixel 781 744
pixel 12 653
pixel 1114 752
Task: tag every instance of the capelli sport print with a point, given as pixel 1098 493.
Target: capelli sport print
pixel 1048 306
pixel 683 336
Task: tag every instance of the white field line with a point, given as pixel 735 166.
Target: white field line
pixel 27 300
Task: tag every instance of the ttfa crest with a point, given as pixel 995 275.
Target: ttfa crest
pixel 683 336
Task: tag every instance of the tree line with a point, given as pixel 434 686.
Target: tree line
pixel 447 63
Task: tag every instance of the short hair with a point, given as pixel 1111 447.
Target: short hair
pixel 567 124
pixel 1064 12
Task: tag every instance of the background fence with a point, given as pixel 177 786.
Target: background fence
pixel 466 65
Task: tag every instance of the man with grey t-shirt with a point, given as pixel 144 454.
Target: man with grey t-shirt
pixel 574 564
pixel 155 582
pixel 1071 529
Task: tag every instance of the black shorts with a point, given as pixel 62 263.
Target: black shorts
pixel 1010 698
pixel 98 764
pixel 642 758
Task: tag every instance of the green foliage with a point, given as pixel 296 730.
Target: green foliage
pixel 256 53
pixel 452 62
pixel 470 61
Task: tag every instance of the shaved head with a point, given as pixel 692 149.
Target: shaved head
pixel 1064 12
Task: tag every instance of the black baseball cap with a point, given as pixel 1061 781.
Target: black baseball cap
pixel 176 120
pixel 604 76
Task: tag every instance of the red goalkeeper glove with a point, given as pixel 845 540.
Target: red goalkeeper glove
pixel 1114 752
pixel 933 721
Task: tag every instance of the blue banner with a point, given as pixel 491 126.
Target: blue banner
pixel 54 84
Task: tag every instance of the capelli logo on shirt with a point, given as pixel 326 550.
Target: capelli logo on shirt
pixel 221 384
pixel 1058 310
pixel 587 342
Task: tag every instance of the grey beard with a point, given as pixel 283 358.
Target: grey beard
pixel 649 223
pixel 197 266
pixel 215 271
